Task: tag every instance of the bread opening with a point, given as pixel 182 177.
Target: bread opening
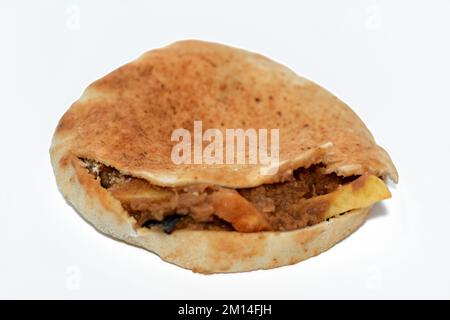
pixel 275 207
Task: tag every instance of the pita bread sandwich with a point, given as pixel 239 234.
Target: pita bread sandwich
pixel 112 154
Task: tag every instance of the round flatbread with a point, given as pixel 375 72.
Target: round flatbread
pixel 125 120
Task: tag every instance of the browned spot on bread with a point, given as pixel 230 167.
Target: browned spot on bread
pixel 225 250
pixel 175 255
pixel 262 236
pixel 304 238
pixel 64 161
pixel 67 122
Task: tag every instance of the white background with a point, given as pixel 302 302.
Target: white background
pixel 389 60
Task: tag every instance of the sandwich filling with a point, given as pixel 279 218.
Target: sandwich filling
pixel 307 197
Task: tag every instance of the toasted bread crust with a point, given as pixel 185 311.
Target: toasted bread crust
pixel 126 118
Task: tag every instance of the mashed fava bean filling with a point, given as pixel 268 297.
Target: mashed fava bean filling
pixel 274 207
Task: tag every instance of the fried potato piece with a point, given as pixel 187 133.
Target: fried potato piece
pixel 361 193
pixel 230 206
